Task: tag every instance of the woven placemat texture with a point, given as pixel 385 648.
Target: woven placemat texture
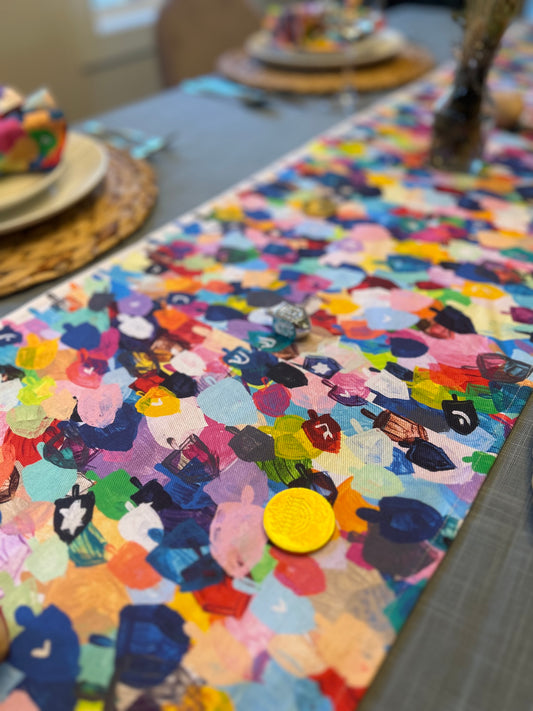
pixel 75 237
pixel 412 62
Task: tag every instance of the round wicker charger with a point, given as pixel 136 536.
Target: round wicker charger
pixel 411 62
pixel 75 237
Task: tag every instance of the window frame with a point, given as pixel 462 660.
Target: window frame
pixel 115 35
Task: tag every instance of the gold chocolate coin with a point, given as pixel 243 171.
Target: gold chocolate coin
pixel 299 520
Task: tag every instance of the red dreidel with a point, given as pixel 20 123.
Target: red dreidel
pixel 323 432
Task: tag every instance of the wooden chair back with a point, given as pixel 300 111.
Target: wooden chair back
pixel 191 34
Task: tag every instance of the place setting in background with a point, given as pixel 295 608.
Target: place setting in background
pixel 325 46
pixel 65 196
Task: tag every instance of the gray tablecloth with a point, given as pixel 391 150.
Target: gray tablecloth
pixel 468 645
pixel 219 142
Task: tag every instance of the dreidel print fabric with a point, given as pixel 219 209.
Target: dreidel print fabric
pixel 149 413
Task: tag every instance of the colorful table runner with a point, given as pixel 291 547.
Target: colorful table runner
pixel 149 412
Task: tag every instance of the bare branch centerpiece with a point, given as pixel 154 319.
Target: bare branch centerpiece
pixel 463 118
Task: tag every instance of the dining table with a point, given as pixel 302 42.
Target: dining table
pixel 467 645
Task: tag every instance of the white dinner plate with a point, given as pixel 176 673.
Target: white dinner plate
pixel 85 162
pixel 17 188
pixel 377 47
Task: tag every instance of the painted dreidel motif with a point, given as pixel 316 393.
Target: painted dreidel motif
pixel 189 468
pixel 521 314
pixel 321 482
pixel 152 493
pixel 290 440
pixel 349 390
pixel 498 367
pixel 403 520
pixel 181 385
pixel 73 513
pixel 505 274
pixel 253 364
pixel 399 429
pixel 461 415
pixel 191 450
pixel 47 653
pixel 428 456
pixel 228 401
pixel 287 375
pixel 9 484
pixel 150 644
pixel 66 449
pixel 434 329
pixel 272 400
pixel 323 366
pixel 183 556
pixel 251 445
pixel 290 320
pixel 320 206
pixel 453 320
pixel 239 357
pixel 237 536
pixel 323 432
pixel 481 462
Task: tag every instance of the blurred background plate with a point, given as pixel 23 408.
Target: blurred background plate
pixel 16 189
pixel 375 48
pixel 85 162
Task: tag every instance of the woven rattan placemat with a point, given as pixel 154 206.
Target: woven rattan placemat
pixel 73 238
pixel 409 64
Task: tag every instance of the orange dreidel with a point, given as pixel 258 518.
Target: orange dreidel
pixel 397 428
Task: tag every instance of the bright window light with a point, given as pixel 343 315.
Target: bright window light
pixel 115 16
pixel 99 5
